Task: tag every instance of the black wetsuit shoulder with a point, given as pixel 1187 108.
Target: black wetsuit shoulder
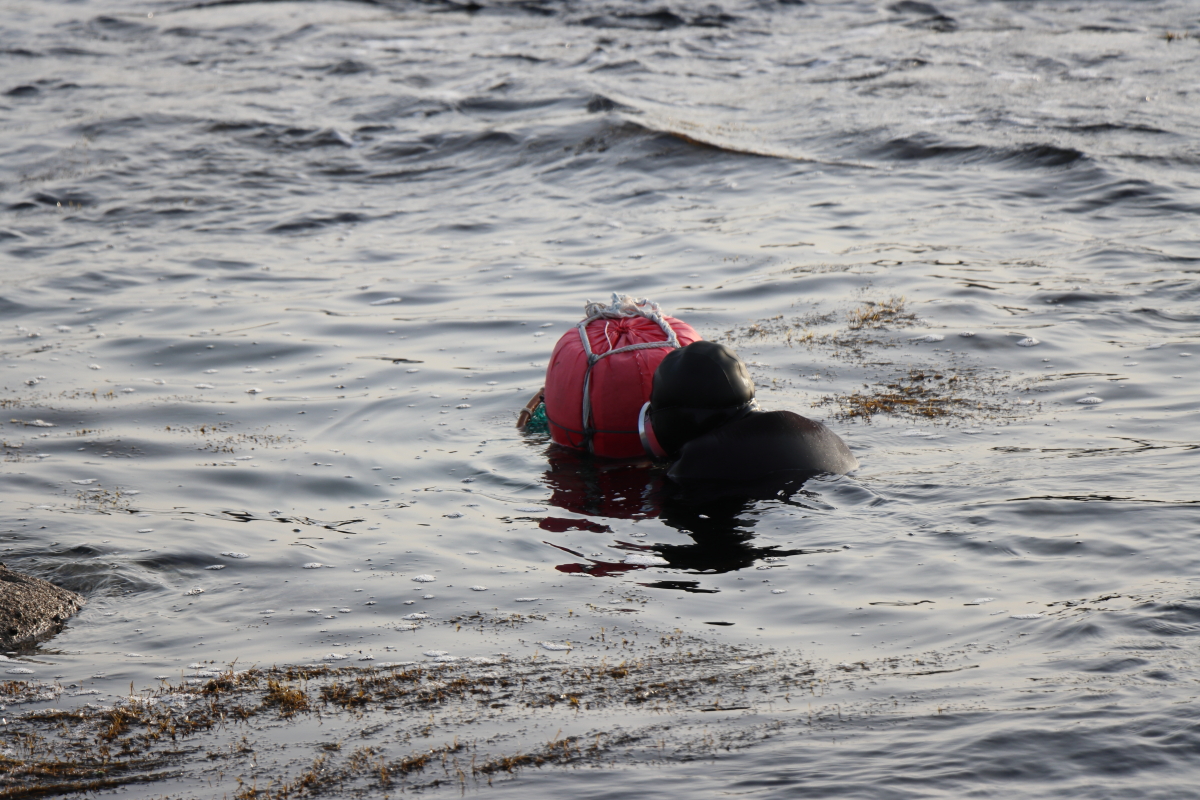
pixel 762 444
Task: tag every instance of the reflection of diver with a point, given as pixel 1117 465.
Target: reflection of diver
pixel 720 523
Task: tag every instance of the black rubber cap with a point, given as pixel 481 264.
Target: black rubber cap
pixel 697 389
pixel 701 375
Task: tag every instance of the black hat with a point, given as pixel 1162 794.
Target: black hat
pixel 696 389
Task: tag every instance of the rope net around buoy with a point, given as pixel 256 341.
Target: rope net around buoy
pixel 602 372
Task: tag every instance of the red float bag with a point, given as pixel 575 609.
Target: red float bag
pixel 601 373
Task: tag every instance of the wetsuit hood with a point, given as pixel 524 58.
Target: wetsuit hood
pixel 696 389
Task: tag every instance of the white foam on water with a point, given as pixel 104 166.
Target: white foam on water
pixel 978 601
pixel 1026 616
pixel 779 591
pixel 87 482
pixel 966 334
pixel 232 554
pixel 205 386
pixel 530 509
pixel 416 615
pixel 1155 345
pixel 554 646
pixel 387 301
pixel 216 566
pixel 334 657
pixel 478 588
pixel 1089 401
pixel 435 653
pixel 424 579
pixel 645 560
pixel 526 599
pixel 313 565
pixel 1028 341
pixel 453 515
pixel 19 671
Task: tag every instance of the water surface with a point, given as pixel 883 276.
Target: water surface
pixel 277 277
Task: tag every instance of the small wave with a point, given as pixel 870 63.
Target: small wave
pixel 661 20
pixel 927 147
pixel 312 223
pixel 349 67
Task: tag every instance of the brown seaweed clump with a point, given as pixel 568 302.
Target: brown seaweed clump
pixel 922 394
pixel 321 730
pixel 889 313
pixel 32 609
pixel 864 324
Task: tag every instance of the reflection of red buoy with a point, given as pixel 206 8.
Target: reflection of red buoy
pixel 591 487
pixel 596 569
pixel 562 525
pixel 601 373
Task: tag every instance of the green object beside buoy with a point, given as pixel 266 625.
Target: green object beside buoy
pixel 538 423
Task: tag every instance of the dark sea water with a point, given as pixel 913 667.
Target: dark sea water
pixel 276 277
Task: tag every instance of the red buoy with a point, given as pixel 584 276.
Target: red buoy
pixel 601 373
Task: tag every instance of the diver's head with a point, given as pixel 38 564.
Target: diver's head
pixel 696 389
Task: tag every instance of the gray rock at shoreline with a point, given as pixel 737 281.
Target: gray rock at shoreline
pixel 31 608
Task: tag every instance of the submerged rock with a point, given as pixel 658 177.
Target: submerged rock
pixel 31 608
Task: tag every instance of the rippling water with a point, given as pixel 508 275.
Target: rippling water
pixel 277 276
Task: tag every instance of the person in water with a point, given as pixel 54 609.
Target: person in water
pixel 702 415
